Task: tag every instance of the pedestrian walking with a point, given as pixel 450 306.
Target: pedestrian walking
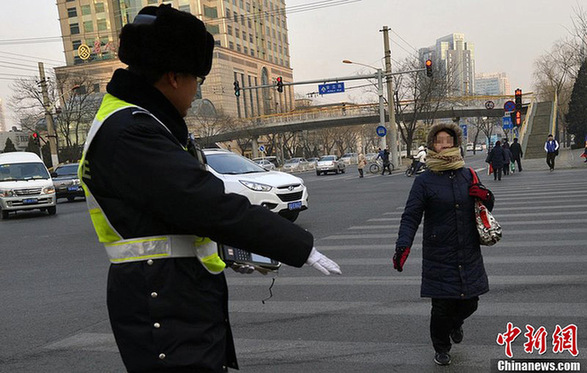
pixel 517 153
pixel 497 159
pixel 386 162
pixel 508 158
pixel 361 164
pixel 584 155
pixel 158 211
pixel 453 274
pixel 551 148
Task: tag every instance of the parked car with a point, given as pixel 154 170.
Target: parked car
pixel 270 158
pixel 370 157
pixel 280 192
pixel 330 163
pixel 295 165
pixel 266 164
pixel 350 158
pixel 312 163
pixel 66 182
pixel 25 184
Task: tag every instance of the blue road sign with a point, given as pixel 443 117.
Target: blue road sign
pixel 261 148
pixel 381 131
pixel 464 128
pixel 507 122
pixel 509 106
pixel 330 88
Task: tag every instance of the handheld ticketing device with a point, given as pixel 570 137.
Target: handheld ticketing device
pixel 232 255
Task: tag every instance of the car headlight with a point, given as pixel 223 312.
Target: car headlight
pixel 48 190
pixel 75 182
pixel 256 186
pixel 6 193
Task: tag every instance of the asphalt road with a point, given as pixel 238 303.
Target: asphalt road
pixel 53 272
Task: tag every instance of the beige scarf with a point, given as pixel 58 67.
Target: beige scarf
pixel 448 159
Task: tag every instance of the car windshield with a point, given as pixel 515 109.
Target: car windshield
pixel 293 160
pixel 67 170
pixel 232 164
pixel 327 158
pixel 23 171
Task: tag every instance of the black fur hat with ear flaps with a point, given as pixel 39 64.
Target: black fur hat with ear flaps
pixel 453 129
pixel 164 39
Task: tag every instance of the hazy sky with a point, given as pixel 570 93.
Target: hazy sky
pixel 508 36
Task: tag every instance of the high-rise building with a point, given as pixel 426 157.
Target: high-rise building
pixel 455 58
pixel 251 47
pixel 492 84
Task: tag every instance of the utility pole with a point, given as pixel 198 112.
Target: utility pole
pixel 390 104
pixel 48 117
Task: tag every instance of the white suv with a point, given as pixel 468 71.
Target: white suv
pixel 278 191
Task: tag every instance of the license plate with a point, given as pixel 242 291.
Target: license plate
pixel 294 205
pixel 73 188
pixel 30 200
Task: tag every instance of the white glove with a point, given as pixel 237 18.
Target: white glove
pixel 243 268
pixel 322 263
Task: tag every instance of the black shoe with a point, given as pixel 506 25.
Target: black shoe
pixel 442 358
pixel 457 335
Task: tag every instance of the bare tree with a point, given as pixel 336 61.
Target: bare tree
pixel 418 95
pixel 72 102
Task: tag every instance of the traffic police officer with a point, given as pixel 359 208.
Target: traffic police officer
pixel 158 211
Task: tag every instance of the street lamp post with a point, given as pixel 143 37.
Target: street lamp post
pixel 383 142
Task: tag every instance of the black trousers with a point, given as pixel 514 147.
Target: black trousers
pixel 550 160
pixel 386 166
pixel 360 172
pixel 497 173
pixel 448 314
pixel 519 162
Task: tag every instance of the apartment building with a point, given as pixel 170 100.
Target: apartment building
pixel 456 58
pixel 492 84
pixel 251 47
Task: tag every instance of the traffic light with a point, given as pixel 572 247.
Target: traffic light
pixel 518 100
pixel 36 139
pixel 429 68
pixel 518 119
pixel 279 84
pixel 516 116
pixel 237 89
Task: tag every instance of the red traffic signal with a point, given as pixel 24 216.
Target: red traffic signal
pixel 429 68
pixel 518 118
pixel 279 81
pixel 36 139
pixel 518 99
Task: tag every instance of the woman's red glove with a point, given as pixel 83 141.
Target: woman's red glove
pixel 400 257
pixel 479 192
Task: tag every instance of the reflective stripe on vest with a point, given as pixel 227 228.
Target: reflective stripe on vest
pixel 121 250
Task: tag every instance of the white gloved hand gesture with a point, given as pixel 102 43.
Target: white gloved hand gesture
pixel 322 263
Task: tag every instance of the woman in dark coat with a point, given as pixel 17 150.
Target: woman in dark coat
pixel 497 159
pixel 453 274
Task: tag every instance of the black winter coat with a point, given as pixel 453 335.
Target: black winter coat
pixel 496 157
pixel 516 150
pixel 171 313
pixel 452 265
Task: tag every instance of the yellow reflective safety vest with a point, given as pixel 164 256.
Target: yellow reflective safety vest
pixel 121 250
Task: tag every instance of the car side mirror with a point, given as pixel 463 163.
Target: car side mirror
pixel 53 174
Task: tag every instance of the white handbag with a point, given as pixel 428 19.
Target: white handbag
pixel 488 228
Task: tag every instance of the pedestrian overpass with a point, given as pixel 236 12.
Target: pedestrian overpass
pixel 531 134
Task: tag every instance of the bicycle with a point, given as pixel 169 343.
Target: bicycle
pixel 376 166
